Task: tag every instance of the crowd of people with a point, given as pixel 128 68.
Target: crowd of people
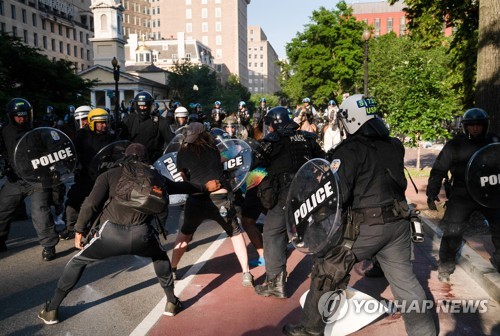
pixel 368 161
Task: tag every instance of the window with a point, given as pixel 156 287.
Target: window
pixel 249 64
pixel 87 38
pixel 218 53
pixel 2 9
pixel 377 27
pixel 174 57
pixel 88 55
pixel 53 44
pixel 389 25
pixel 23 14
pixel 218 26
pixel 75 51
pixel 44 26
pixel 189 27
pixel 25 36
pixel 157 10
pixel 81 53
pixel 189 13
pixel 204 13
pixel 155 58
pixel 188 56
pixel 35 39
pixel 14 31
pixel 52 27
pixel 60 28
pixel 261 56
pixel 44 42
pixel 12 12
pixel 218 40
pixel 68 49
pixel 203 2
pixel 402 26
pixel 61 47
pixel 81 37
pixel 74 34
pixel 218 12
pixel 204 27
pixel 188 2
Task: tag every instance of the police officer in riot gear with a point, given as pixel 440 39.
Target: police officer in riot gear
pixel 142 127
pixel 50 117
pixel 181 118
pixel 282 152
pixel 218 114
pixel 372 181
pixel 454 158
pixel 15 189
pixel 89 140
pixel 81 114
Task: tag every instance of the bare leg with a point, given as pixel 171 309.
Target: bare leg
pixel 240 248
pixel 180 246
pixel 249 225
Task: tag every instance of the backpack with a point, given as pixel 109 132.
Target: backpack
pixel 141 188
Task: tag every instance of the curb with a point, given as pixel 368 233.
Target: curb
pixel 470 261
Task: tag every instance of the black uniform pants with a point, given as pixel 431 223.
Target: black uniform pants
pixel 456 218
pixel 114 240
pixel 12 194
pixel 390 242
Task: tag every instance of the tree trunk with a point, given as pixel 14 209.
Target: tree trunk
pixel 419 146
pixel 488 62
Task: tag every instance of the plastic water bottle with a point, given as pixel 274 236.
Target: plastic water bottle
pixel 223 211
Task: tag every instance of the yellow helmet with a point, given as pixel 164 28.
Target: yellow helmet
pixel 97 115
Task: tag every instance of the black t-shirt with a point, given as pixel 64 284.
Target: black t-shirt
pixel 200 167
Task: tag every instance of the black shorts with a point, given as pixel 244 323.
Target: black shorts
pixel 198 209
pixel 252 207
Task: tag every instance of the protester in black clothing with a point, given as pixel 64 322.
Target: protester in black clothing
pixel 282 152
pixel 89 140
pixel 454 158
pixel 372 182
pixel 142 127
pixel 121 231
pixel 199 161
pixel 15 190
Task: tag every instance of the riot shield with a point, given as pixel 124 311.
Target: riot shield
pixel 236 156
pixel 219 134
pixel 107 157
pixel 181 130
pixel 175 144
pixel 45 157
pixel 166 165
pixel 483 176
pixel 313 213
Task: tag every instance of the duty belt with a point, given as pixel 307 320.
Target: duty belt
pixel 378 215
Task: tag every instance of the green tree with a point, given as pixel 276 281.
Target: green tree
pixel 413 85
pixel 326 59
pixel 186 78
pixel 27 74
pixel 475 45
pixel 231 93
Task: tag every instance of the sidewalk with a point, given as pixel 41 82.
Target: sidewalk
pixel 476 251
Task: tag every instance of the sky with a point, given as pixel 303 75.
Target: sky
pixel 282 19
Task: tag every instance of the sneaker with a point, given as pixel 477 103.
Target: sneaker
pixel 49 253
pixel 444 276
pixel 257 262
pixel 48 316
pixel 247 279
pixel 172 309
pixel 67 234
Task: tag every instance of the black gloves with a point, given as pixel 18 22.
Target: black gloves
pixel 431 202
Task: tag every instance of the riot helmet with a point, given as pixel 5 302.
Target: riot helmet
pixel 143 103
pixel 217 104
pixel 71 109
pixel 306 100
pixel 81 114
pixel 332 102
pixel 263 100
pixel 278 118
pixel 230 126
pixel 50 109
pixel 181 114
pixel 97 115
pixel 19 107
pixel 358 110
pixel 475 116
pixel 242 104
pixel 193 117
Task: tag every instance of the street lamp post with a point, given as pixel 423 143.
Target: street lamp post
pixel 116 75
pixel 366 37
